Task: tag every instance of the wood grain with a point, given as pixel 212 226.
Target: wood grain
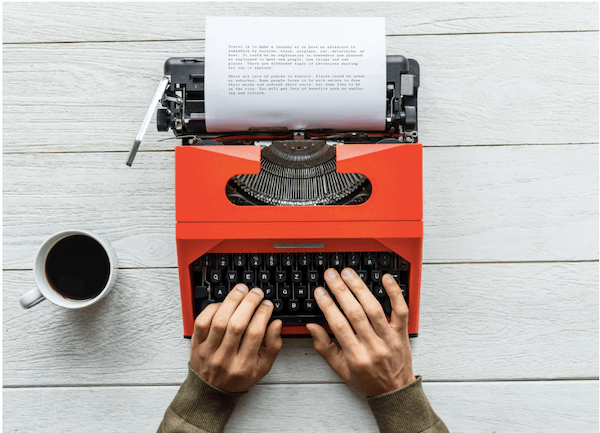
pixel 480 204
pixel 69 22
pixel 496 80
pixel 475 89
pixel 478 322
pixel 544 407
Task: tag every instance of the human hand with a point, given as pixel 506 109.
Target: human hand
pixel 227 344
pixel 377 358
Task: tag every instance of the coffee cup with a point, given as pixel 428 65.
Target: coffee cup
pixel 73 269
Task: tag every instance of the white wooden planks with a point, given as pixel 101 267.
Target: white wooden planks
pixel 508 75
pixel 69 22
pixel 544 407
pixel 476 89
pixel 478 322
pixel 504 203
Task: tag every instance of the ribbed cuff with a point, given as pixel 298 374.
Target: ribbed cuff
pixel 405 410
pixel 203 405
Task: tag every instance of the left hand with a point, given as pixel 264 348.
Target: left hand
pixel 227 345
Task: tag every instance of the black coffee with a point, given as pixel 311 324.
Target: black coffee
pixel 78 267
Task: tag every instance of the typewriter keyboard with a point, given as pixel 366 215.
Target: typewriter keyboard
pixel 289 279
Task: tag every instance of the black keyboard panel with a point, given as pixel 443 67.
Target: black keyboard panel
pixel 289 279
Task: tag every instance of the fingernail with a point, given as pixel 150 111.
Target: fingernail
pixel 388 279
pixel 347 273
pixel 310 331
pixel 267 303
pixel 257 290
pixel 331 273
pixel 242 287
pixel 319 291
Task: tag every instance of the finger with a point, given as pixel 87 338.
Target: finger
pixel 336 320
pixel 255 332
pixel 370 305
pixel 240 319
pixel 352 308
pixel 221 319
pixel 329 350
pixel 399 307
pixel 273 344
pixel 202 323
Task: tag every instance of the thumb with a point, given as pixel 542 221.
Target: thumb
pixel 330 352
pixel 272 345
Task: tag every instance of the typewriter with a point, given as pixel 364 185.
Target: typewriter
pixel 275 208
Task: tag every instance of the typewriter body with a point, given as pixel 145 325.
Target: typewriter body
pixel 275 208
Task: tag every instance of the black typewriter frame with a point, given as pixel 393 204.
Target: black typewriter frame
pixel 183 108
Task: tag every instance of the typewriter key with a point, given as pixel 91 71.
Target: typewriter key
pixel 256 260
pixel 232 277
pixel 296 277
pixel 201 292
pixel 288 259
pixel 223 260
pixel 248 277
pixel 264 276
pixel 272 260
pixel 277 305
pixel 363 275
pixel 215 276
pixel 369 259
pixel 309 305
pixel 353 259
pixel 239 260
pixel 385 260
pixel 304 259
pixel 320 260
pixel 269 292
pixel 285 292
pixel 376 275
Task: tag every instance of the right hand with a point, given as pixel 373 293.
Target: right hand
pixel 377 358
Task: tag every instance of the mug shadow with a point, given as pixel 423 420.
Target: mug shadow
pixel 101 329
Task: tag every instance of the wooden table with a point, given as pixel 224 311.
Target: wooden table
pixel 508 115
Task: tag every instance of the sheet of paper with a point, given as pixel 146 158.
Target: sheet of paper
pixel 298 73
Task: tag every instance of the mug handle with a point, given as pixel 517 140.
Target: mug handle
pixel 31 298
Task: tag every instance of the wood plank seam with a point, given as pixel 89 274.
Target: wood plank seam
pixel 387 36
pixel 424 264
pixel 274 384
pixel 141 151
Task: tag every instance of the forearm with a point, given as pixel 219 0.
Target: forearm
pixel 406 410
pixel 199 407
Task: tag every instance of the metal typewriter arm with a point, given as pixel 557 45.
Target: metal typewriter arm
pixel 160 90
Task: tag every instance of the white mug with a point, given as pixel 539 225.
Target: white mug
pixel 48 289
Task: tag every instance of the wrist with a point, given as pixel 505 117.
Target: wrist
pixel 401 381
pixel 202 404
pixel 407 379
pixel 405 410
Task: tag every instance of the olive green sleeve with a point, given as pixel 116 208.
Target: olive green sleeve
pixel 406 410
pixel 199 407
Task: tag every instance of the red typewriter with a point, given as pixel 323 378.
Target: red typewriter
pixel 275 208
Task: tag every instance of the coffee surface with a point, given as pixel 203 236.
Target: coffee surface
pixel 78 267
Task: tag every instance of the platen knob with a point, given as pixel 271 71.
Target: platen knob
pixel 410 119
pixel 162 119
